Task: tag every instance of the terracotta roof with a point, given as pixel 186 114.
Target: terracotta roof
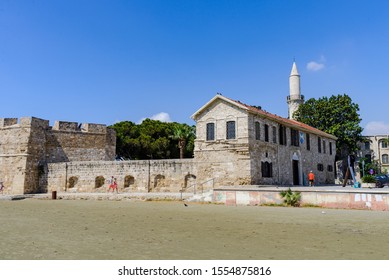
pixel 265 114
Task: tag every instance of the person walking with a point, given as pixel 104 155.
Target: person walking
pixel 113 185
pixel 1 187
pixel 311 178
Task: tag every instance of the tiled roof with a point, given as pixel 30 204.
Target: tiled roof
pixel 265 114
pixel 288 122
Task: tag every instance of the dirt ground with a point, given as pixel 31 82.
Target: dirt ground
pixel 80 229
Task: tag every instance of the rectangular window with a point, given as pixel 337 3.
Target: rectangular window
pixel 319 144
pixel 210 131
pixel 320 167
pixel 330 168
pixel 308 142
pixel 330 148
pixel 266 133
pixel 231 130
pixel 274 134
pixel 294 137
pixel 282 135
pixel 257 131
pixel 324 147
pixel 267 169
pixel 367 145
pixel 385 159
pixel 384 144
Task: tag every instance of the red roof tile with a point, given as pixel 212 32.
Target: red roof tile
pixel 289 122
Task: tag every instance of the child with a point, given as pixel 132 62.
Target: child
pixel 113 185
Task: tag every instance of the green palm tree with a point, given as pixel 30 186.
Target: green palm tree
pixel 182 134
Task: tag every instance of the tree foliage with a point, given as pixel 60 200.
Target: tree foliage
pixel 152 139
pixel 336 115
pixel 182 133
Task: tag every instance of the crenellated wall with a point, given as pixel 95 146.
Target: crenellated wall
pixel 28 144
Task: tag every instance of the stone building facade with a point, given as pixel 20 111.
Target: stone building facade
pixel 240 144
pixel 375 148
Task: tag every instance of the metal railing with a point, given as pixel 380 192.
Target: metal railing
pixel 195 185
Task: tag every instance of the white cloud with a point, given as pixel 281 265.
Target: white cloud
pixel 376 128
pixel 163 117
pixel 315 66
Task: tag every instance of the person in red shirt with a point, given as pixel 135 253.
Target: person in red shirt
pixel 113 185
pixel 311 178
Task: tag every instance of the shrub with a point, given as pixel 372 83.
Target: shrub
pixel 368 179
pixel 291 198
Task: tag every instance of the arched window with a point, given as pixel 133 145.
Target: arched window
pixel 257 131
pixel 385 159
pixel 230 127
pixel 210 132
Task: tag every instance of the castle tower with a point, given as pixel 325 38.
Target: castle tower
pixel 295 98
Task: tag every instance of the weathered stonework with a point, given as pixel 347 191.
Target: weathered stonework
pixel 132 176
pixel 28 146
pixel 238 161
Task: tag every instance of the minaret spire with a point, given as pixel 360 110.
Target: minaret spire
pixel 295 98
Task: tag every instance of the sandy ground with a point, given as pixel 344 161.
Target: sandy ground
pixel 79 229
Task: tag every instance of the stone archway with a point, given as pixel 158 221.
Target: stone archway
pixel 129 182
pixel 297 173
pixel 99 182
pixel 190 181
pixel 159 182
pixel 72 182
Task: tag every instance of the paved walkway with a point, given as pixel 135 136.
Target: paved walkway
pixel 207 196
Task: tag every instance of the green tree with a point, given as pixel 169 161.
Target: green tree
pixel 336 115
pixel 182 133
pixel 151 139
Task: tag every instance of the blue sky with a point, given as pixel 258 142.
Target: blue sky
pixel 108 61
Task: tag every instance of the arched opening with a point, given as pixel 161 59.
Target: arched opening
pixel 159 182
pixel 72 182
pixel 129 182
pixel 190 181
pixel 99 182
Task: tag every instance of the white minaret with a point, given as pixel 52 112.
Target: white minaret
pixel 295 98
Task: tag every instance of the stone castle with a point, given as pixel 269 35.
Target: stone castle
pixel 29 145
pixel 236 144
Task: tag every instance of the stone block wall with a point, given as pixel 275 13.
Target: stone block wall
pixel 16 156
pixel 226 162
pixel 239 161
pixel 27 146
pixel 132 176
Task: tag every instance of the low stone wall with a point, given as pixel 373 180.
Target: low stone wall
pixel 328 198
pixel 132 176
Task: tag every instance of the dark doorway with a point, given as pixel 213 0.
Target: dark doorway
pixel 295 165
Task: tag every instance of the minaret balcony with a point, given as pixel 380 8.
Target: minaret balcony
pixel 288 98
